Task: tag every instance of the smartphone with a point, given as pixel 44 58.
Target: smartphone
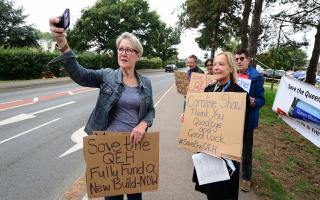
pixel 64 20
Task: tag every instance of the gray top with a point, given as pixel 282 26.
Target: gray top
pixel 124 115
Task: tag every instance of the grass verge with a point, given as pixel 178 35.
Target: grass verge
pixel 285 164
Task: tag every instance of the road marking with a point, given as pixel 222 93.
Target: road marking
pixel 24 102
pixel 15 104
pixel 23 116
pixel 14 101
pixel 163 96
pixel 76 137
pixel 28 131
pixel 53 107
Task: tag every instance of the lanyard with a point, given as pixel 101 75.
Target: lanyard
pixel 224 87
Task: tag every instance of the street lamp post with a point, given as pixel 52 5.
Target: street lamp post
pixel 277 61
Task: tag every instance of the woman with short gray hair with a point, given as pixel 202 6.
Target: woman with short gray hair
pixel 125 102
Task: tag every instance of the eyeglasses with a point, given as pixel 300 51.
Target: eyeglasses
pixel 241 59
pixel 128 51
pixel 209 65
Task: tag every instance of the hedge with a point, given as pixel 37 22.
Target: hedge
pixel 22 64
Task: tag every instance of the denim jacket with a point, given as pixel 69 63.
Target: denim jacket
pixel 111 86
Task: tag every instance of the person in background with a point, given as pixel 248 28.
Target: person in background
pixel 125 100
pixel 209 65
pixel 224 71
pixel 193 67
pixel 256 96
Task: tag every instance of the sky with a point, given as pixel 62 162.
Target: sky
pixel 39 13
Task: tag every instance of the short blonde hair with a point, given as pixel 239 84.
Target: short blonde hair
pixel 232 64
pixel 133 39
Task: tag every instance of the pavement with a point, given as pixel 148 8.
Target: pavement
pixel 176 164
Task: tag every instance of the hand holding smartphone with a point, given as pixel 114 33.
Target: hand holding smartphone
pixel 64 20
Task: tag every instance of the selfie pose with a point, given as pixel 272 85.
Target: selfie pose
pixel 125 101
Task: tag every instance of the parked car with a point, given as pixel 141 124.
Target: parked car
pixel 301 75
pixel 170 68
pixel 318 79
pixel 260 70
pixel 277 74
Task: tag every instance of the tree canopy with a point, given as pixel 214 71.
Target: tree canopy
pixel 285 57
pixel 101 24
pixel 14 32
pixel 303 16
pixel 218 21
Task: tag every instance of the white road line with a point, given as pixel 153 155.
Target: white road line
pixel 76 137
pixel 11 101
pixel 17 106
pixel 163 96
pixel 53 107
pixel 23 116
pixel 28 131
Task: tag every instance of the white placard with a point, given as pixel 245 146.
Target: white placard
pixel 244 83
pixel 299 103
pixel 210 169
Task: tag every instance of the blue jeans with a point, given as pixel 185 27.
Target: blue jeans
pixel 136 196
pixel 247 154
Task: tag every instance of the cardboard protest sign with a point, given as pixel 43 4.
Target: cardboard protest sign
pixel 214 124
pixel 199 82
pixel 182 82
pixel 301 108
pixel 115 166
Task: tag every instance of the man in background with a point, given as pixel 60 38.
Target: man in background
pixel 192 65
pixel 256 96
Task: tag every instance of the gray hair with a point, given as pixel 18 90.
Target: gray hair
pixel 232 64
pixel 133 39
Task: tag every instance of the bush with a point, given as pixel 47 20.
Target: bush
pixel 153 63
pixel 22 64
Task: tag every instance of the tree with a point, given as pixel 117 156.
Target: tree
pixel 100 25
pixel 255 28
pixel 303 16
pixel 286 57
pixel 218 20
pixel 14 32
pixel 244 29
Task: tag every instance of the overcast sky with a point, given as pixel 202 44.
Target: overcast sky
pixel 40 11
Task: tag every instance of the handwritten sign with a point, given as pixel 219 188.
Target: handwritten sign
pixel 182 82
pixel 115 166
pixel 244 83
pixel 214 124
pixel 199 82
